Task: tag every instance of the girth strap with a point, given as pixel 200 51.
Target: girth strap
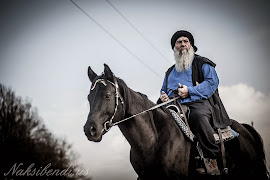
pixel 225 169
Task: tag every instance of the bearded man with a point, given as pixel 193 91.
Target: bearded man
pixel 197 82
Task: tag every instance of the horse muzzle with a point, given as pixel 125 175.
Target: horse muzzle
pixel 93 132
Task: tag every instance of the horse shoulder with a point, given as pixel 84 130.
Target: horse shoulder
pixel 173 147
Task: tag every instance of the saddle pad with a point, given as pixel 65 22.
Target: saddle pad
pixel 227 134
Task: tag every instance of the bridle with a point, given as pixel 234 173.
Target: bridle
pixel 108 124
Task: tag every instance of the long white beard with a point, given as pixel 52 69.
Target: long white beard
pixel 183 60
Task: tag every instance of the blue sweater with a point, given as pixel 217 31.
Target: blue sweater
pixel 202 91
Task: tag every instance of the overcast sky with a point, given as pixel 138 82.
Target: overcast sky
pixel 47 46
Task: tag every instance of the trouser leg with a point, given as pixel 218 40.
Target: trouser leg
pixel 200 116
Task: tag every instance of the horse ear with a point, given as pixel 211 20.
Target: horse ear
pixel 108 72
pixel 91 74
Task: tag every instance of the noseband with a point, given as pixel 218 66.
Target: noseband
pixel 108 124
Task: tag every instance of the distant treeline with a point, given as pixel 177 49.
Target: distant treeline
pixel 28 150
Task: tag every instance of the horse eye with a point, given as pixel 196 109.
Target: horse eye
pixel 107 96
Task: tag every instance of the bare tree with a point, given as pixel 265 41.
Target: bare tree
pixel 26 142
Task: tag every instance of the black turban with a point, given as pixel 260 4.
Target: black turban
pixel 181 33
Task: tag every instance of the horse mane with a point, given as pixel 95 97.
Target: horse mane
pixel 144 97
pixel 125 89
pixel 158 120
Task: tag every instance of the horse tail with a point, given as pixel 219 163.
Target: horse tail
pixel 262 167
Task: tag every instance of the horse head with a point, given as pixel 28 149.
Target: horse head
pixel 105 104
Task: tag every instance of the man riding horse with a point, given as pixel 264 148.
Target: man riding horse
pixel 159 149
pixel 196 81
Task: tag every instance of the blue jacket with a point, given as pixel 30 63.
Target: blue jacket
pixel 203 90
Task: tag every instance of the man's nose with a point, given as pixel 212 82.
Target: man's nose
pixel 183 45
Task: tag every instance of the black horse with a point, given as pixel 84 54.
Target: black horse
pixel 159 149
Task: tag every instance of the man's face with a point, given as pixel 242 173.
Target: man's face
pixel 182 43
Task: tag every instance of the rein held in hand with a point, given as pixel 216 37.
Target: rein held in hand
pixel 108 124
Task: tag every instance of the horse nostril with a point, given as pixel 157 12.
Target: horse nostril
pixel 93 131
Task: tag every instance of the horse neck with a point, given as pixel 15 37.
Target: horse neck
pixel 154 134
pixel 140 131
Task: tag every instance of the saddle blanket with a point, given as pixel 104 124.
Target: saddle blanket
pixel 227 134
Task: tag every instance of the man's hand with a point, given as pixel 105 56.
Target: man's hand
pixel 182 91
pixel 164 97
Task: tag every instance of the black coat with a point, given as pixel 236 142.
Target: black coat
pixel 220 115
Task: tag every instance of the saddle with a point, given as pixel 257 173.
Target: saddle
pixel 181 113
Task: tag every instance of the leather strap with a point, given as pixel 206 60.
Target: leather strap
pixel 225 169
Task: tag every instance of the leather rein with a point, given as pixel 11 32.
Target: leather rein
pixel 108 124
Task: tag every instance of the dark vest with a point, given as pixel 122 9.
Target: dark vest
pixel 220 116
